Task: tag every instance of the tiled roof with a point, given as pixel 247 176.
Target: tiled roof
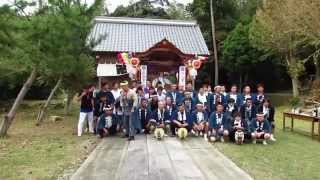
pixel 138 35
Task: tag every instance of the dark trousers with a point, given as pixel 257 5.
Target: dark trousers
pixel 128 121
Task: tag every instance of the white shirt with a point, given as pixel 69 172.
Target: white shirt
pixel 116 93
pixel 161 97
pixel 200 117
pixel 233 96
pixel 183 117
pixel 202 98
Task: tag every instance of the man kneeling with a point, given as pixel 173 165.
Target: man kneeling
pixel 200 121
pixel 260 129
pixel 218 124
pixel 181 124
pixel 160 123
pixel 107 123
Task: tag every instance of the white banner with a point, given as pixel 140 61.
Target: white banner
pixel 106 70
pixel 182 76
pixel 144 72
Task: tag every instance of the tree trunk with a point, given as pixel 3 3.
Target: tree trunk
pixel 215 50
pixel 240 82
pixel 8 118
pixel 317 66
pixel 295 86
pixel 67 106
pixel 43 109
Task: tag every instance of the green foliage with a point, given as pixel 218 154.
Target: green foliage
pixel 141 9
pixel 238 54
pixel 53 40
pixel 226 16
pixel 295 102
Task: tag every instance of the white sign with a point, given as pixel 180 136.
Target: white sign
pixel 144 72
pixel 105 70
pixel 182 76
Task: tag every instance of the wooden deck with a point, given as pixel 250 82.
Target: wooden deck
pixel 150 159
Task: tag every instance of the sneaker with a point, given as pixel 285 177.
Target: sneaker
pixel 222 139
pixel 193 132
pixel 165 135
pixel 254 141
pixel 264 142
pixel 272 138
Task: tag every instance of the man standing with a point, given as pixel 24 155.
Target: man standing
pixel 128 102
pixel 105 91
pixel 233 94
pixel 216 98
pixel 259 96
pixel 86 109
pixel 175 95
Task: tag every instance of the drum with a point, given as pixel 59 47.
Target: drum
pixel 159 133
pixel 239 137
pixel 182 133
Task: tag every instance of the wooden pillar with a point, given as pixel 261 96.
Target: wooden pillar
pixel 99 81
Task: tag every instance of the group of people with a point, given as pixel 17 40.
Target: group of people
pixel 215 115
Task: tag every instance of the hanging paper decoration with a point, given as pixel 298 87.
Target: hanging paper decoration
pixel 123 58
pixel 134 61
pixel 196 64
pixel 202 58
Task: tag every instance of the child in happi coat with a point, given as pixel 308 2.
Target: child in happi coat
pixel 200 121
pixel 107 123
pixel 268 111
pixel 183 120
pixel 219 124
pixel 260 129
pixel 143 115
pixel 231 107
pixel 239 130
pixel 248 111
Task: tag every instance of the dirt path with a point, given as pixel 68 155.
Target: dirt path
pixel 150 159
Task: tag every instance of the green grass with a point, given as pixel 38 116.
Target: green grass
pixel 31 152
pixel 293 157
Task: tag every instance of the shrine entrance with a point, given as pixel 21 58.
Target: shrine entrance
pixel 163 59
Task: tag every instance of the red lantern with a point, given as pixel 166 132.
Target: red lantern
pixel 135 61
pixel 196 64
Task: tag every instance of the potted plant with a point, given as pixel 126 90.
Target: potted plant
pixel 295 102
